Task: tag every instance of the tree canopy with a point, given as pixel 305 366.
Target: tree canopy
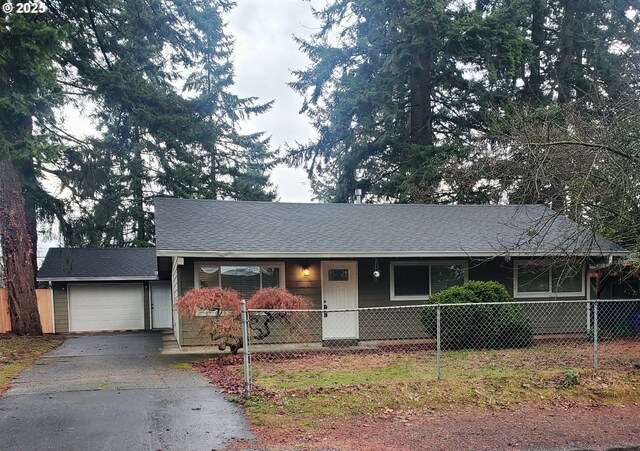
pixel 401 92
pixel 159 75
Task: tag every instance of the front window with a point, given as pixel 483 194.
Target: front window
pixel 567 279
pixel 411 280
pixel 209 276
pixel 246 279
pixel 533 279
pixel 445 276
pixel 414 281
pixel 536 279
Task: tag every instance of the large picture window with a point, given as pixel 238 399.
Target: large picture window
pixel 536 279
pixel 415 281
pixel 246 279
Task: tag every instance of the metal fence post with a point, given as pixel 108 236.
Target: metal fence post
pixel 245 348
pixel 595 334
pixel 438 341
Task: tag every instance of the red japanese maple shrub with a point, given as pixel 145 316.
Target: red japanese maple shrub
pixel 290 326
pixel 209 299
pixel 218 313
pixel 277 298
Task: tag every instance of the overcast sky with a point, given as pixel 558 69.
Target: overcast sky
pixel 264 55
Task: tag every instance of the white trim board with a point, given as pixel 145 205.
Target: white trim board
pixel 379 254
pixel 98 279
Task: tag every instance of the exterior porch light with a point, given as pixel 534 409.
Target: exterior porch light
pixel 305 269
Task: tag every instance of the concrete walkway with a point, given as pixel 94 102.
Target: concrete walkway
pixel 116 392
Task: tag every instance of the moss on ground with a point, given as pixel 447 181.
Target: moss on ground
pixel 17 353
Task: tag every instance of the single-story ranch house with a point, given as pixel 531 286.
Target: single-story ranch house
pixel 329 253
pixel 336 255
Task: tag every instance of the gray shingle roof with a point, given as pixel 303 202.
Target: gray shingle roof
pixel 235 229
pixel 99 264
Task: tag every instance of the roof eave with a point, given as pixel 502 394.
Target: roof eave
pixel 97 279
pixel 391 254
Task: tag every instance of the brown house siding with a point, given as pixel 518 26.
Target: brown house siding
pixel 405 323
pixel 189 330
pixel 309 286
pixel 383 324
pixel 393 323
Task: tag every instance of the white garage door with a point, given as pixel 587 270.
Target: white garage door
pixel 106 307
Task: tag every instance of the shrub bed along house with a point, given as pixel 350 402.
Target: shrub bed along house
pixel 478 326
pixel 219 310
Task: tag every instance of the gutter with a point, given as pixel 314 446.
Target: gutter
pixel 96 279
pixel 357 254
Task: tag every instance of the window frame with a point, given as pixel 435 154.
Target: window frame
pixel 428 264
pixel 198 264
pixel 537 294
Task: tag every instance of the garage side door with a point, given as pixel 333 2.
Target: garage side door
pixel 106 307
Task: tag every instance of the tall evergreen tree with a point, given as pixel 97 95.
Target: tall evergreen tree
pixel 126 58
pixel 402 91
pixel 235 165
pixel 583 70
pixel 28 92
pixel 388 93
pixel 162 133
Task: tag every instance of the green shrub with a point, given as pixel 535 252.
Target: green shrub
pixel 570 378
pixel 478 326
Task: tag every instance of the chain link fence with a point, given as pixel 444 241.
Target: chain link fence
pixel 536 335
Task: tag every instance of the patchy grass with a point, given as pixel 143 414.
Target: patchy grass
pixel 315 388
pixel 182 365
pixel 17 353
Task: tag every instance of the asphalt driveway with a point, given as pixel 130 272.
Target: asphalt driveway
pixel 116 392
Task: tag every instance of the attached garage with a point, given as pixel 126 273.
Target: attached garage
pixel 96 290
pixel 100 307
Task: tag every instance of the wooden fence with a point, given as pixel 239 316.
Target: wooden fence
pixel 45 307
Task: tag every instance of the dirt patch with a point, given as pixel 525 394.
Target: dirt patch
pixel 17 353
pixel 524 428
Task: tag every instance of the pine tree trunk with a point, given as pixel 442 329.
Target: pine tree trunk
pixel 564 70
pixel 566 55
pixel 17 254
pixel 421 107
pixel 421 118
pixel 213 187
pixel 137 180
pixel 537 39
pixel 30 182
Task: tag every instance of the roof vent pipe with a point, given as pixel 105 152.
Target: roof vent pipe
pixel 358 196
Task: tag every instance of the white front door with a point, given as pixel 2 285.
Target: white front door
pixel 339 291
pixel 161 305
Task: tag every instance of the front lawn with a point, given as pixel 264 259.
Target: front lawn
pixel 308 390
pixel 17 353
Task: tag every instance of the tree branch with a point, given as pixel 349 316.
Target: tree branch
pixel 583 144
